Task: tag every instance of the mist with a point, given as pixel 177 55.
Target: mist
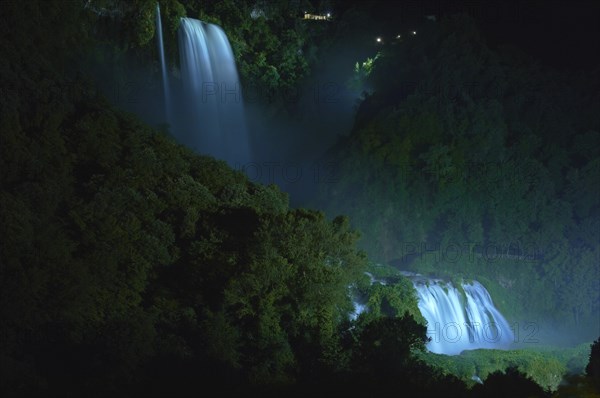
pixel 290 134
pixel 288 145
pixel 290 149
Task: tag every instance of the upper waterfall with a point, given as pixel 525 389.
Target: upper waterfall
pixel 163 65
pixel 208 110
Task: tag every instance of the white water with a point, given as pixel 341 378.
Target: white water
pixel 458 321
pixel 163 65
pixel 212 119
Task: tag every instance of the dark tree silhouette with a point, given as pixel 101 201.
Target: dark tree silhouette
pixel 509 384
pixel 593 367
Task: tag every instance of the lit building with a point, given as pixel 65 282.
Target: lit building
pixel 317 17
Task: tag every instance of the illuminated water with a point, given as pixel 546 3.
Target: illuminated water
pixel 458 319
pixel 163 65
pixel 461 320
pixel 212 119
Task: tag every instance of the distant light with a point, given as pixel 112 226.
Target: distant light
pixel 414 32
pixel 397 37
pixel 328 15
pixel 378 40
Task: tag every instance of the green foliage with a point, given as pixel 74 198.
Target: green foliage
pixel 126 241
pixel 547 366
pixel 386 293
pixel 362 72
pixel 509 383
pixel 130 266
pixel 271 44
pixel 386 345
pixel 125 253
pixel 144 28
pixel 274 49
pixel 459 164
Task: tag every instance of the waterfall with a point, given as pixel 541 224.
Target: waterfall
pixel 461 320
pixel 163 65
pixel 212 119
pixel 457 319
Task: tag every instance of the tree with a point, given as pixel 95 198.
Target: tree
pixel 386 344
pixel 510 383
pixel 593 367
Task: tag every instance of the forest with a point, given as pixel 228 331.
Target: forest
pixel 133 266
pixel 517 206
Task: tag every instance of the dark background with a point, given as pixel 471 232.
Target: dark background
pixel 562 34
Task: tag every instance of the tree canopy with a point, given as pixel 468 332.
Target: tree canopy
pixel 131 266
pixel 466 160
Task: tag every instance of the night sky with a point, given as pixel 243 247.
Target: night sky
pixel 562 34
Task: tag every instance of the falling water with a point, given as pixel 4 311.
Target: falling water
pixel 163 65
pixel 458 321
pixel 213 120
